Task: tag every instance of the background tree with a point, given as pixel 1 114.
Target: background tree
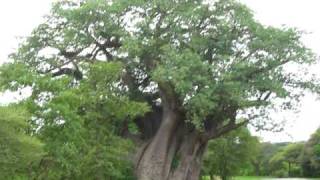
pixel 311 156
pixel 19 151
pixel 230 154
pixel 286 162
pixel 257 160
pixel 261 162
pixel 203 68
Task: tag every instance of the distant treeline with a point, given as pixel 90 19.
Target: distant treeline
pixel 239 153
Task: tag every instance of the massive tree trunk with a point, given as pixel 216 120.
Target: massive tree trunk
pixel 175 152
pixel 176 149
pixel 154 162
pixel 189 158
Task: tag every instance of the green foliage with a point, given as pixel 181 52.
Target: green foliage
pixel 235 57
pixel 286 162
pixel 238 61
pixel 15 76
pixel 19 151
pixel 229 155
pixel 311 157
pixel 80 127
pixel 288 159
pixel 261 162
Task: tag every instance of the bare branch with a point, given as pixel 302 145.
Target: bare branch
pixel 68 71
pixel 217 132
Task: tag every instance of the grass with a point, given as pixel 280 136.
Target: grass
pixel 268 178
pixel 264 178
pixel 248 178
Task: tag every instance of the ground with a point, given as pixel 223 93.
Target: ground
pixel 267 178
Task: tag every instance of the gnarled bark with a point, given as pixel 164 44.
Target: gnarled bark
pixel 175 153
pixel 153 163
pixel 189 156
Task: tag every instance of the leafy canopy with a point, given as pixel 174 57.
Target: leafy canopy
pixel 214 56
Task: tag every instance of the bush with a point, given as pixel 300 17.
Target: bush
pixel 280 173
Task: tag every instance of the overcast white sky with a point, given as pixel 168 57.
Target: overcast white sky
pixel 19 17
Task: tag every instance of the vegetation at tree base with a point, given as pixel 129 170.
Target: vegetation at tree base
pixel 79 125
pixel 137 89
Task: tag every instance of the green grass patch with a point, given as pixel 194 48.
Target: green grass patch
pixel 269 178
pixel 248 178
pixel 263 178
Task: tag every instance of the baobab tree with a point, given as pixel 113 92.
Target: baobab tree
pixel 203 68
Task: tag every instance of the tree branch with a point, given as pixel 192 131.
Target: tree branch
pixel 228 127
pixel 68 71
